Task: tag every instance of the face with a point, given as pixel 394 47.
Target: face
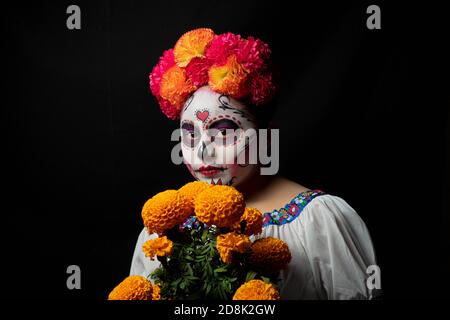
pixel 218 133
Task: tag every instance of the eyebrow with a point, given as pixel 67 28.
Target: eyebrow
pixel 224 101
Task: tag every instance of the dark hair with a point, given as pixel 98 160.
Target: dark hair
pixel 265 114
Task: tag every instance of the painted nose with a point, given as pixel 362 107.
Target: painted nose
pixel 206 152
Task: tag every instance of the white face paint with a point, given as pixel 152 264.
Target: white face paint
pixel 217 134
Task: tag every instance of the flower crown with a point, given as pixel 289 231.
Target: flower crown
pixel 228 63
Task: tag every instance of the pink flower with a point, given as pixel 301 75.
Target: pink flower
pixel 223 46
pixel 166 61
pixel 197 71
pixel 229 63
pixel 168 109
pixel 261 88
pixel 253 54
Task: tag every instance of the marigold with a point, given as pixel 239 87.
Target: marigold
pixel 253 54
pixel 256 290
pixel 229 78
pixel 156 294
pixel 175 86
pixel 219 205
pixel 222 46
pixel 228 63
pixel 166 61
pixel 261 87
pixel 168 109
pixel 269 254
pixel 191 190
pixel 253 219
pixel 132 288
pixel 165 210
pixel 197 70
pixel 192 44
pixel 231 242
pixel 161 246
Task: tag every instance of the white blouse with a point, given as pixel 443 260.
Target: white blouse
pixel 330 245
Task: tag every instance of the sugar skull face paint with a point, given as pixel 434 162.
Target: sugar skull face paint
pixel 217 134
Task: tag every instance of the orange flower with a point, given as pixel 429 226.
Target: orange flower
pixel 269 254
pixel 158 247
pixel 253 219
pixel 219 205
pixel 229 79
pixel 256 290
pixel 192 189
pixel 229 242
pixel 164 211
pixel 132 288
pixel 175 86
pixel 156 295
pixel 192 44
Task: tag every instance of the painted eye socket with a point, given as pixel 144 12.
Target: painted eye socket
pixel 190 136
pixel 224 132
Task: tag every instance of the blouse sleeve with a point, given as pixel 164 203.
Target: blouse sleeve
pixel 339 248
pixel 142 265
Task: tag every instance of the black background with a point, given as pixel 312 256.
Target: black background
pixel 85 144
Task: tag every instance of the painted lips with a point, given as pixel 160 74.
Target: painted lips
pixel 210 171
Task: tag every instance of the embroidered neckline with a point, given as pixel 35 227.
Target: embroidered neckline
pixel 291 210
pixel 276 217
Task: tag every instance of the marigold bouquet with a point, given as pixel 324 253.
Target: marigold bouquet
pixel 204 248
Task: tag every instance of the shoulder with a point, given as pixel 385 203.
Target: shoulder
pixel 289 186
pixel 327 207
pixel 331 217
pixel 339 245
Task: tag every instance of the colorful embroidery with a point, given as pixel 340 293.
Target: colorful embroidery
pixel 292 210
pixel 190 223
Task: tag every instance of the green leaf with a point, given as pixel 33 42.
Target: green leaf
pixel 221 269
pixel 250 276
pixel 204 235
pixel 222 293
pixel 188 257
pixel 208 288
pixel 200 258
pixel 207 252
pixel 175 283
pixel 208 266
pixel 189 269
pixel 265 279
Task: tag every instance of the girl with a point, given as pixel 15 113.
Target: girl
pixel 220 87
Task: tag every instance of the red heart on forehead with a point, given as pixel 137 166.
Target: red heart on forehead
pixel 202 115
